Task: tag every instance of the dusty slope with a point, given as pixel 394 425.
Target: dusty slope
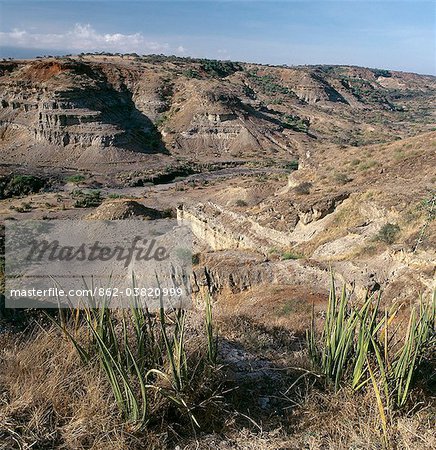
pixel 334 212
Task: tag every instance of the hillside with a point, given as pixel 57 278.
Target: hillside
pixel 95 112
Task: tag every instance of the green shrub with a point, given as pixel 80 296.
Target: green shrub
pixel 381 73
pixel 20 185
pixel 269 84
pixel 290 255
pixel 293 165
pixel 367 164
pixel 295 123
pixel 78 178
pixel 218 68
pixel 275 101
pixel 388 233
pixel 161 120
pixel 89 199
pixel 195 259
pixel 191 73
pixel 342 178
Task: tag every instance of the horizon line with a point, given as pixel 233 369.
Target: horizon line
pixel 198 58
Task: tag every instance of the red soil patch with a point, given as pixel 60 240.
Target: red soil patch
pixel 43 71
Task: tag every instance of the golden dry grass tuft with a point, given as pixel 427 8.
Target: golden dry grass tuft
pixel 50 398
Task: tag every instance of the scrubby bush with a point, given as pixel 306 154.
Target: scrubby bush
pixel 20 185
pixel 293 165
pixel 381 73
pixel 195 259
pixel 295 123
pixel 219 69
pixel 388 233
pixel 290 255
pixel 342 178
pixel 161 120
pixel 367 164
pixel 191 73
pixel 89 199
pixel 269 84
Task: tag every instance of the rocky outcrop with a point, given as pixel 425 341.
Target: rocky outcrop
pixel 235 271
pixel 223 229
pixel 312 212
pixel 73 104
pixel 312 88
pixel 269 226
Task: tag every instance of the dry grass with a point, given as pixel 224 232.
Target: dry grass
pixel 50 399
pixel 346 420
pixel 339 421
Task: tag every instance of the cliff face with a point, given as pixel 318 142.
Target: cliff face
pixel 222 229
pixel 72 104
pixel 134 107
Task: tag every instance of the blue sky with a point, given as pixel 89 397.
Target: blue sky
pixel 386 34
